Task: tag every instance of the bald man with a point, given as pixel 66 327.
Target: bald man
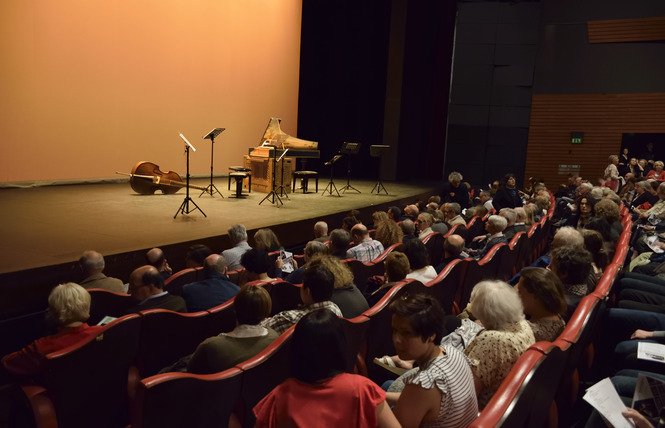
pixel 213 290
pixel 147 286
pixel 453 248
pixel 366 249
pixel 92 264
pixel 155 257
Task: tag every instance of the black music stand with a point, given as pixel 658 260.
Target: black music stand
pixel 273 197
pixel 212 189
pixel 331 186
pixel 349 149
pixel 281 189
pixel 184 207
pixel 377 151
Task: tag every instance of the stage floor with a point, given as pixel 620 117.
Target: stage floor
pixel 52 225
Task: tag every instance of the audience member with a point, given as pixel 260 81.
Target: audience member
pixel 410 213
pixel 421 269
pixel 593 243
pixel 424 225
pixel 511 217
pixel 485 198
pixel 395 213
pixel 69 306
pixel 408 229
pixel 611 175
pixel 455 191
pixel 317 288
pixel 396 269
pixel 452 212
pixel 340 239
pixel 494 226
pixel 507 196
pixel 155 257
pixel 453 247
pixel 346 295
pixel 312 249
pixel 147 286
pixel 366 249
pixel 266 239
pixel 321 231
pixel 215 354
pixel 196 255
pixel 213 290
pixel 388 233
pixel 257 264
pixel 572 265
pixel 544 301
pixel 439 222
pixel 348 222
pixel 92 264
pixel 320 389
pixel 238 235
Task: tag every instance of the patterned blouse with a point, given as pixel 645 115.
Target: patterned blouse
pixel 547 330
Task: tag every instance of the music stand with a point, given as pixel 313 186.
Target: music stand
pixel 281 188
pixel 212 189
pixel 349 149
pixel 184 207
pixel 377 151
pixel 273 197
pixel 331 186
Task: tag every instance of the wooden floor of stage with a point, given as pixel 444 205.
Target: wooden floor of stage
pixel 52 225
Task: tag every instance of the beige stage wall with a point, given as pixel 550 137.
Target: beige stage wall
pixel 91 87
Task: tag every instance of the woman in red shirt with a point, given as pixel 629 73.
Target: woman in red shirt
pixel 657 171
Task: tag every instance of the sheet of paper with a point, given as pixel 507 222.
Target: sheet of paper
pixel 651 351
pixel 604 398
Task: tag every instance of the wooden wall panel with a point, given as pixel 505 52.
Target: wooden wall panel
pixel 626 30
pixel 602 117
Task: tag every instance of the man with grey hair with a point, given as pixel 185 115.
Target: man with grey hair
pixel 213 290
pixel 452 211
pixel 408 229
pixel 495 226
pixel 312 249
pixel 321 231
pixel 92 264
pixel 511 217
pixel 485 197
pixel 455 191
pixel 410 212
pixel 567 236
pixel 238 236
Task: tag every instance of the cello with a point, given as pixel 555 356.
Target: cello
pixel 146 178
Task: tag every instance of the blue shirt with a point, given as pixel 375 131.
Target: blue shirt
pixel 212 291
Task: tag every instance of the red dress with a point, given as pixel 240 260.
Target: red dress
pixel 30 360
pixel 346 400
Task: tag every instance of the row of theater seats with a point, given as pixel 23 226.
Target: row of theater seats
pixel 136 346
pixel 543 387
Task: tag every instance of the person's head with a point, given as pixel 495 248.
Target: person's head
pixel 315 248
pixel 658 166
pixel 642 186
pixel 214 263
pixel 510 215
pixel 144 282
pixel 266 239
pixel 339 241
pixel 496 304
pixel 417 323
pixel 609 209
pixel 509 180
pixel 388 233
pixel 237 233
pixel 196 254
pixel 455 178
pixel 530 218
pixel 520 215
pixel 624 151
pixel 359 232
pixel 567 236
pixel 584 188
pixel 397 266
pixel 348 222
pixel 379 216
pixel 341 273
pixel 69 303
pixel 585 205
pixel 495 224
pixel 424 221
pixel 542 202
pixel 593 243
pixel 155 257
pixel 614 159
pixel 480 211
pixel 540 288
pixel 484 196
pixel 434 199
pixel 411 211
pixel 408 227
pixel 453 246
pixel 320 229
pixel 452 210
pixel 318 284
pixel 602 226
pixel 318 347
pixel 642 163
pixel 654 186
pixel 661 191
pixel 394 213
pixel 633 162
pixel 91 262
pixel 256 261
pixel 417 254
pixel 252 304
pixel 355 214
pixel 571 264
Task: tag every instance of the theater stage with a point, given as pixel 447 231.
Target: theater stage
pixel 45 229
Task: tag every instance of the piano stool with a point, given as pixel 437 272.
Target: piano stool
pixel 241 169
pixel 305 176
pixel 239 177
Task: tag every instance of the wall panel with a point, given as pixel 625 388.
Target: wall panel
pixel 602 117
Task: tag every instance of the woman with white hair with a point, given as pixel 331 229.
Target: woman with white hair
pixel 494 351
pixel 69 306
pixel 611 174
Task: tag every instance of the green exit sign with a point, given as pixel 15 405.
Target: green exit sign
pixel 576 137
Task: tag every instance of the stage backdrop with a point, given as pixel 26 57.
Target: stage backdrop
pixel 91 87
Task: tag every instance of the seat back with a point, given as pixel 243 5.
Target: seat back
pixel 175 282
pixel 475 227
pixel 107 303
pixel 355 330
pixel 222 317
pixel 238 277
pixel 175 400
pixel 87 382
pixel 167 336
pixel 434 244
pixel 446 285
pixel 262 373
pixel 362 272
pixel 285 296
pixel 478 270
pixel 511 261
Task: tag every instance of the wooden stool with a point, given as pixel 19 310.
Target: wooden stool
pixel 239 177
pixel 305 176
pixel 241 169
